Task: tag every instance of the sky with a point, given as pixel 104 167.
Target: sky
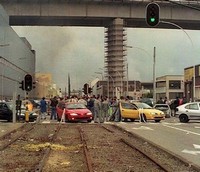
pixel 79 51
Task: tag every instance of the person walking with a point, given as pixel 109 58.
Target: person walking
pixel 176 104
pixel 43 108
pixel 97 111
pixel 90 104
pixel 53 105
pixel 115 110
pixel 105 108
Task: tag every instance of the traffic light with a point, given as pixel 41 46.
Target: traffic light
pixel 152 14
pixel 85 88
pixel 89 90
pixel 21 85
pixel 33 85
pixel 28 82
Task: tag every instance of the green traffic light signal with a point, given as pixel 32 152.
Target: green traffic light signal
pixel 152 19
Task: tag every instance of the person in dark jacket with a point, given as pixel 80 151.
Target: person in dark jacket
pixel 160 101
pixel 43 108
pixel 53 105
pixel 176 104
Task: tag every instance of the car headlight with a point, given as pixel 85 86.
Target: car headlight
pixel 152 113
pixel 162 113
pixel 73 114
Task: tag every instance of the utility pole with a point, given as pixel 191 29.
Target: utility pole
pixel 127 94
pixel 69 86
pixel 154 74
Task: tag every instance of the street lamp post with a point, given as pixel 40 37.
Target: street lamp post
pixel 154 68
pixel 127 80
pixel 101 73
pixel 121 80
pixel 109 85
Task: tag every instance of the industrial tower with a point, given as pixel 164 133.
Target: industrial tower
pixel 115 58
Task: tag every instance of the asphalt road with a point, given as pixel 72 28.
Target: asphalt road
pixel 182 139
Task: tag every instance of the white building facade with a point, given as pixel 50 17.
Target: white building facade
pixel 16 59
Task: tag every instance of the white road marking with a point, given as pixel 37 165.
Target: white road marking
pixel 171 123
pixel 45 122
pixel 196 146
pixel 187 132
pixel 191 152
pixel 142 128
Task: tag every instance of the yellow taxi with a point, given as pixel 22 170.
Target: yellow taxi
pixel 140 111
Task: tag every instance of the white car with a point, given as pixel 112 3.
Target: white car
pixel 188 111
pixel 165 108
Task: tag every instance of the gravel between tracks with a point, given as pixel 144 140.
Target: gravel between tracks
pixel 106 150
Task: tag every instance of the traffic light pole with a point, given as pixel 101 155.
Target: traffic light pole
pixel 27 111
pixel 154 74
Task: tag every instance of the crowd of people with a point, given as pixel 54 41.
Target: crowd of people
pixel 102 108
pixel 173 105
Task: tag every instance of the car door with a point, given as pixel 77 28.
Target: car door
pixel 128 111
pixel 59 109
pixel 1 111
pixel 193 110
pixel 4 111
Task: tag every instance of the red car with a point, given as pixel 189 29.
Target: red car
pixel 73 112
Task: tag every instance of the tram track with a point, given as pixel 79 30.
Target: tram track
pixel 161 166
pixel 14 135
pixel 45 157
pixel 83 147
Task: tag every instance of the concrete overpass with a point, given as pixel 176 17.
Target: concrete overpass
pixel 95 13
pixel 114 15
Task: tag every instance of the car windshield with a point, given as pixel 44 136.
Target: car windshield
pixel 143 106
pixel 75 106
pixel 10 105
pixel 160 105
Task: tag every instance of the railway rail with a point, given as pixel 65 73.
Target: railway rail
pixel 83 147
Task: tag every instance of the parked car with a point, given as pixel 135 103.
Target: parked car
pixel 148 101
pixel 36 103
pixel 165 108
pixel 188 111
pixel 140 111
pixel 6 112
pixel 73 112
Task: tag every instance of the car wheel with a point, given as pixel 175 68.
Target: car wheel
pixel 132 120
pixel 124 119
pixel 9 119
pixel 157 120
pixel 58 118
pixel 143 118
pixel 183 118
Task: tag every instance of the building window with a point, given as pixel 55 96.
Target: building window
pixel 160 84
pixel 174 84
